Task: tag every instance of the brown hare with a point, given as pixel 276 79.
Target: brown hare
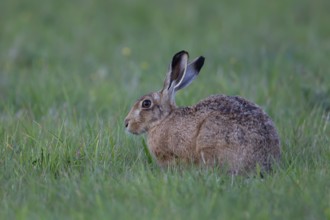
pixel 224 131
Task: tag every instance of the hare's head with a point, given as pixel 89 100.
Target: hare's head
pixel 152 108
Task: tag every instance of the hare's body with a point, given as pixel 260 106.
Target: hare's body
pixel 228 131
pixel 220 130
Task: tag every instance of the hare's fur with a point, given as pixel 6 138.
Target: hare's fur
pixel 219 130
pixel 225 131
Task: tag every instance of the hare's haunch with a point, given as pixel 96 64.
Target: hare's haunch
pixel 220 130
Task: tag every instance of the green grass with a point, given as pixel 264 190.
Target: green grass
pixel 69 71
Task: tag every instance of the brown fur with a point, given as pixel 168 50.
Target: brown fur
pixel 220 130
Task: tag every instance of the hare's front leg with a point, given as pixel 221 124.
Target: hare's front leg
pixel 164 158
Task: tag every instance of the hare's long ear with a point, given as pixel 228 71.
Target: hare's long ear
pixel 191 72
pixel 175 75
pixel 176 70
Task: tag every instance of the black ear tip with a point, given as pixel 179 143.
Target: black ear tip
pixel 177 57
pixel 199 63
pixel 181 52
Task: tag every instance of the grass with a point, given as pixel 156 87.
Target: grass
pixel 69 71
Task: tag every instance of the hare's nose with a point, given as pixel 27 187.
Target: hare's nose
pixel 126 122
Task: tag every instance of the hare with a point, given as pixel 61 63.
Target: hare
pixel 224 131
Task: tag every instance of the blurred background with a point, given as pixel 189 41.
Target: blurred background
pixel 70 71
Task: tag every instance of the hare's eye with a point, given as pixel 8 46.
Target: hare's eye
pixel 146 103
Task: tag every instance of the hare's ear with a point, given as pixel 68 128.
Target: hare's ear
pixel 176 70
pixel 191 72
pixel 175 75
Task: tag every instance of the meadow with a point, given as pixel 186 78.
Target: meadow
pixel 70 71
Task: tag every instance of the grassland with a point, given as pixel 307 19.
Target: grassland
pixel 69 71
